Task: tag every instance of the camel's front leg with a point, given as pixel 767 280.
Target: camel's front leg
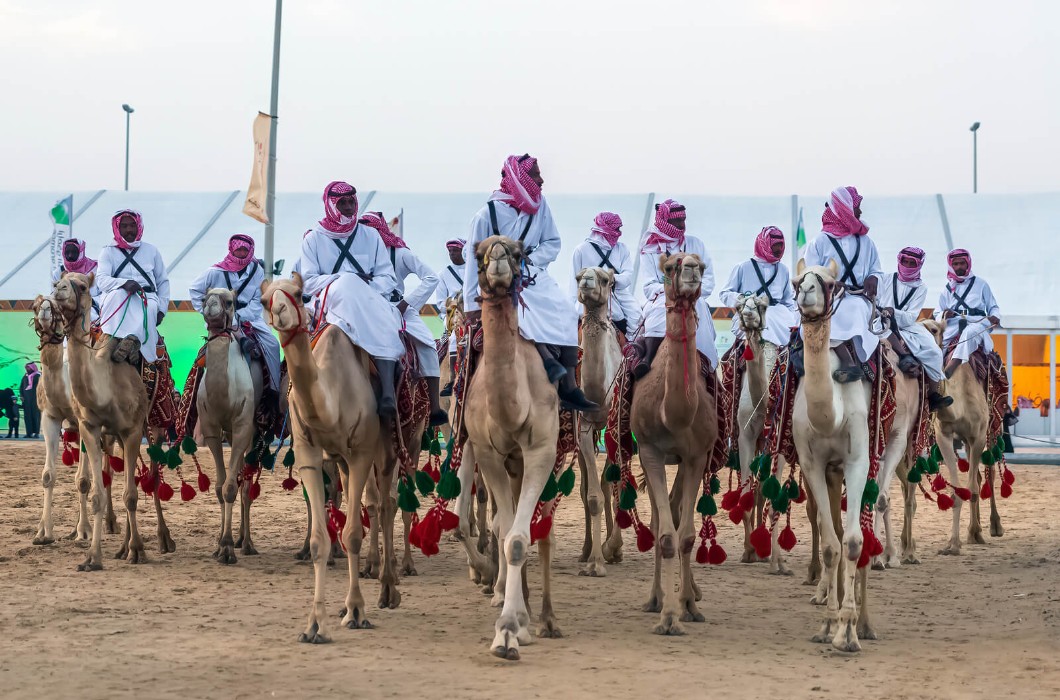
pixel 225 487
pixel 93 458
pixel 822 492
pixel 612 548
pixel 312 480
pixel 593 499
pixel 949 456
pixel 242 439
pixel 583 492
pixel 110 521
pixel 995 518
pixel 548 627
pixel 52 428
pixel 373 506
pixel 747 443
pixel 691 481
pixel 389 595
pixel 483 569
pixel 130 450
pixel 482 505
pixel 908 538
pixel 355 613
pixel 666 540
pixel 408 565
pixel 814 570
pixel 83 483
pixel 856 476
pixel 975 450
pixel 166 544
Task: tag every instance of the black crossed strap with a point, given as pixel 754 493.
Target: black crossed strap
pixel 848 277
pixel 764 288
pixel 130 259
pixel 961 299
pixel 900 305
pixel 455 274
pixel 250 275
pixel 344 253
pixel 496 229
pixel 605 258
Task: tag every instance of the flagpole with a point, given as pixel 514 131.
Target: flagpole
pixel 270 187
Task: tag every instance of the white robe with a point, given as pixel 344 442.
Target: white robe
pixel 357 307
pixel 977 333
pixel 918 339
pixel 655 305
pixel 407 263
pixel 782 314
pixel 248 307
pixel 852 316
pixel 136 315
pixel 548 316
pixel 450 283
pixel 624 307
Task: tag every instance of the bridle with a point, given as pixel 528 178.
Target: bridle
pixel 54 334
pixel 831 297
pixel 520 280
pixel 299 328
pixel 683 305
pixel 229 331
pixel 82 316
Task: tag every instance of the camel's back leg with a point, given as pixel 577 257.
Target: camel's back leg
pixel 548 627
pixel 583 491
pixel 165 542
pixel 593 502
pixel 813 571
pixel 52 428
pixel 995 518
pixel 908 537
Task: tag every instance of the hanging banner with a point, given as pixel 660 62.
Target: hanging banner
pixel 62 214
pixel 256 193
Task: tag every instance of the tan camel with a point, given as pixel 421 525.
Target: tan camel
pixel 675 421
pixel 512 416
pixel 229 392
pixel 830 427
pixel 332 410
pixel 601 358
pixel 107 396
pixel 56 407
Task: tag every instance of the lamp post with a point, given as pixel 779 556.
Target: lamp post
pixel 975 157
pixel 128 111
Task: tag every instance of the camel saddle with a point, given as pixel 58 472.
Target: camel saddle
pixel 158 380
pixel 982 364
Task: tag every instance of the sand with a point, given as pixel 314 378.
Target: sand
pixel 985 624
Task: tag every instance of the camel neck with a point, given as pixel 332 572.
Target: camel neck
pixel 818 384
pixel 501 366
pixel 680 364
pixel 601 354
pixel 758 372
pixel 217 354
pixel 82 369
pixel 304 374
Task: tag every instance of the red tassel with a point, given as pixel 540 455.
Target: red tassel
pixel 986 491
pixel 760 540
pixel 736 515
pixel 414 531
pixel 106 480
pixel 787 539
pixel 204 482
pixel 1008 476
pixel 748 353
pixel 430 533
pixel 68 457
pixel 962 465
pixel 71 436
pixel 254 491
pixel 1006 490
pixel 716 554
pixel 116 463
pixel 730 500
pixel 147 484
pixel 963 494
pixel 450 521
pixel 623 519
pixel 868 547
pixel 540 529
pixel 165 491
pixel 187 491
pixel 747 500
pixel 802 496
pixel 645 539
pixel 938 483
pixel 843 503
pixel 702 553
pixel 944 501
pixel 289 484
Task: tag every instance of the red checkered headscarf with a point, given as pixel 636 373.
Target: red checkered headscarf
pixel 608 226
pixel 376 220
pixel 914 255
pixel 231 263
pixel 334 222
pixel 83 264
pixel 838 220
pixel 118 240
pixel 764 244
pixel 663 235
pixel 517 187
pixel 957 254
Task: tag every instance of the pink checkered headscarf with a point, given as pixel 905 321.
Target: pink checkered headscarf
pixel 764 244
pixel 231 263
pixel 517 187
pixel 457 243
pixel 914 255
pixel 336 225
pixel 838 220
pixel 607 226
pixel 118 240
pixel 376 220
pixel 83 264
pixel 663 235
pixel 956 254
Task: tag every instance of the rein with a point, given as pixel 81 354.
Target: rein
pixel 298 329
pixel 831 299
pixel 520 281
pixel 682 305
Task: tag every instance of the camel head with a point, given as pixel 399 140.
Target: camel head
pixel 282 302
pixel 219 309
pixel 595 285
pixel 682 276
pixel 47 320
pixel 815 289
pixel 936 329
pixel 751 312
pixel 500 264
pixel 454 312
pixel 72 296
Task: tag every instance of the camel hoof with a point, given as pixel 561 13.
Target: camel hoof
pixel 487 588
pixel 691 613
pixel 976 537
pixel 303 554
pixel 750 557
pixel 356 619
pixel 911 559
pixel 698 593
pixel 847 640
pixel 613 555
pixel 595 569
pixel 878 565
pixel 818 599
pixel 110 526
pixel 950 551
pixel 315 638
pixel 826 634
pixel 226 555
pixel 166 545
pixel 137 555
pixel 669 626
pixel 549 630
pixel 41 540
pixel 89 565
pixel 362 625
pixel 389 596
pixel 371 570
pixel 123 552
pixel 653 605
pixel 249 550
pixel 506 645
pixel 866 632
pixel 497 600
pixel 893 562
pixel 509 653
pixel 409 570
pixel 782 570
pixel 995 528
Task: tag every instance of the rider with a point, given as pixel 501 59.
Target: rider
pixel 75 260
pixel 603 249
pixel 765 275
pixel 666 237
pixel 132 280
pixel 969 309
pixel 844 240
pixel 901 297
pixel 519 211
pixel 347 265
pixel 406 263
pixel 451 283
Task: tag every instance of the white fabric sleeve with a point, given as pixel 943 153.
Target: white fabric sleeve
pixel 104 273
pixel 730 293
pixel 428 282
pixel 198 289
pixel 547 250
pixel 992 309
pixel 313 278
pixel 161 282
pixel 384 278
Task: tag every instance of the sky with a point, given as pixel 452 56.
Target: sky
pixel 730 98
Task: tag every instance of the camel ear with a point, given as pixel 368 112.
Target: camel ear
pixel 833 269
pixel 37 303
pixel 609 275
pixel 91 279
pixel 264 285
pixel 297 279
pixel 800 267
pixel 762 300
pixel 663 259
pixel 579 274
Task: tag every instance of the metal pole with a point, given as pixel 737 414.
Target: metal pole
pixel 1052 385
pixel 270 187
pixel 975 161
pixel 127 115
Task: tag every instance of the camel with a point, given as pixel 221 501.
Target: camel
pixel 601 358
pixel 229 392
pixel 675 421
pixel 830 428
pixel 54 399
pixel 511 411
pixel 333 410
pixel 107 396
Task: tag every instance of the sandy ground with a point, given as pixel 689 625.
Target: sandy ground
pixel 985 624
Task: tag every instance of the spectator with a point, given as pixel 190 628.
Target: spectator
pixel 9 410
pixel 28 391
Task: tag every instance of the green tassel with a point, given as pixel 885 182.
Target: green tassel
pixel 304 494
pixel 932 466
pixel 327 479
pixel 734 460
pixel 771 487
pixel 987 458
pixel 268 460
pixel 871 494
pixel 566 481
pixel 550 490
pixel 999 453
pixel 781 503
pixel 424 483
pixel 921 464
pixel 612 474
pixel 173 459
pixel 936 452
pixel 425 441
pixel 449 486
pixel 715 485
pixel 188 445
pixel 627 498
pixel 793 490
pixel 915 475
pixel 408 502
pixel 288 459
pixel 156 453
pixel 436 448
pixel 706 506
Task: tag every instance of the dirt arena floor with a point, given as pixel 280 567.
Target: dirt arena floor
pixel 982 625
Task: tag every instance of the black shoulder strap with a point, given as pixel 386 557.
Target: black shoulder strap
pixel 848 277
pixel 130 259
pixel 251 271
pixel 961 299
pixel 605 258
pixel 455 274
pixel 393 259
pixel 764 288
pixel 900 305
pixel 496 229
pixel 344 253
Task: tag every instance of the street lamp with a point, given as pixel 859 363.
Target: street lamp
pixel 975 157
pixel 129 110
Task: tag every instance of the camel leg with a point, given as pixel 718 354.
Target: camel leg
pixel 593 500
pixel 482 500
pixel 166 544
pixel 110 521
pixel 746 443
pixel 855 477
pixel 408 566
pixel 777 565
pixel 130 447
pixel 303 553
pixel 908 538
pixel 225 487
pixel 814 570
pixel 995 518
pixel 93 459
pixel 548 627
pixel 865 629
pixel 389 595
pixel 482 568
pixel 666 542
pixel 691 480
pixel 360 474
pixel 893 460
pixel 312 480
pixel 823 492
pixel 245 543
pixel 655 597
pixel 373 504
pixel 83 481
pixel 52 429
pixel 975 528
pixel 949 456
pixel 242 438
pixel 612 548
pixel 583 491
